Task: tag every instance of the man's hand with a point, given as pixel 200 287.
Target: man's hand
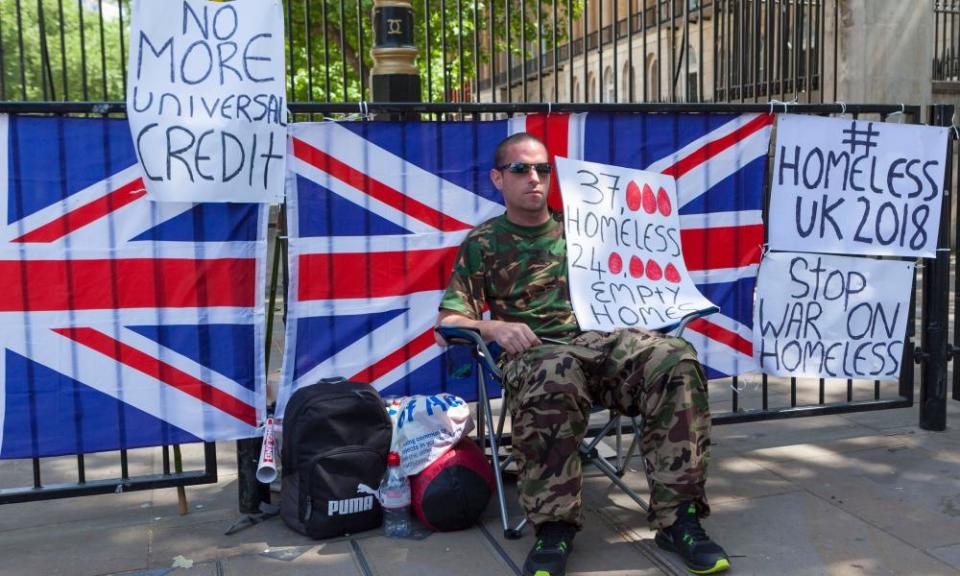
pixel 515 337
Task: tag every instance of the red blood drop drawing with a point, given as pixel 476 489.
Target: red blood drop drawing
pixel 615 263
pixel 663 202
pixel 653 270
pixel 671 274
pixel 633 196
pixel 649 201
pixel 636 267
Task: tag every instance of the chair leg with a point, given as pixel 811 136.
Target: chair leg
pixel 611 473
pixel 503 416
pixel 487 415
pixel 619 444
pixel 588 451
pixel 634 448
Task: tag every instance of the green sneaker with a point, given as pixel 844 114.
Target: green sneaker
pixel 548 557
pixel 688 539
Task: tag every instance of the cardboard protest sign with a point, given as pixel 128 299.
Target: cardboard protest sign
pixel 831 316
pixel 856 187
pixel 624 256
pixel 206 99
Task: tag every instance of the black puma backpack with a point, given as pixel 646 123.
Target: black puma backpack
pixel 336 435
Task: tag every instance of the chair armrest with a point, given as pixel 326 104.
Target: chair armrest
pixel 682 325
pixel 460 336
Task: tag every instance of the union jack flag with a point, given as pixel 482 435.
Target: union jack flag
pixel 377 211
pixel 126 323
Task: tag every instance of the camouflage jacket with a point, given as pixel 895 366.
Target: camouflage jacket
pixel 519 272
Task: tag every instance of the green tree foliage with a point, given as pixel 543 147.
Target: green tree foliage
pixel 85 62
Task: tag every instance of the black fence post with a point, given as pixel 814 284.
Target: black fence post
pixel 250 491
pixel 936 285
pixel 395 76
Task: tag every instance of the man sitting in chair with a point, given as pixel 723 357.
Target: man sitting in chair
pixel 516 264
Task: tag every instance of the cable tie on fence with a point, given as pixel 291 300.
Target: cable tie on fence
pixel 775 101
pixel 549 108
pixel 899 112
pixel 843 106
pixel 956 131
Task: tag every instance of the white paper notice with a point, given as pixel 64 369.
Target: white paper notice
pixel 206 99
pixel 623 248
pixel 831 316
pixel 856 187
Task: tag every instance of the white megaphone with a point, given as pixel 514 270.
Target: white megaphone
pixel 267 466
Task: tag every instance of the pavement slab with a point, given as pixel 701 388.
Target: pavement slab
pixel 441 553
pixel 854 494
pixel 948 554
pixel 911 493
pixel 333 558
pixel 78 549
pixel 801 534
pixel 739 438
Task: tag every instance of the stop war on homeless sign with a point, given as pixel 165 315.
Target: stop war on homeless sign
pixel 206 99
pixel 831 316
pixel 856 186
pixel 624 257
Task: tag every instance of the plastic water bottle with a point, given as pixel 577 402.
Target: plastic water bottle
pixel 395 498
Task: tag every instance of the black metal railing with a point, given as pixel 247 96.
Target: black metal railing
pixel 517 51
pixel 749 399
pixel 62 57
pixel 946 41
pixel 760 50
pixel 759 397
pixel 171 475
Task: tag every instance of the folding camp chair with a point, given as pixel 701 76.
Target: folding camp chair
pixel 487 368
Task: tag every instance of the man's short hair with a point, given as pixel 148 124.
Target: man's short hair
pixel 501 151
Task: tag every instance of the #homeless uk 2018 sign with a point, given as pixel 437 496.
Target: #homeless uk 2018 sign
pixel 856 187
pixel 206 99
pixel 624 257
pixel 831 316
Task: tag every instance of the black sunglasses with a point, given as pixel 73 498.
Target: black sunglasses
pixel 542 168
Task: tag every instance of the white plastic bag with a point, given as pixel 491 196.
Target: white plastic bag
pixel 425 427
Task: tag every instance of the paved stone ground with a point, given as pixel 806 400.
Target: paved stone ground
pixel 859 494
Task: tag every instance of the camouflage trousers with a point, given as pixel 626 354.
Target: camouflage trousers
pixel 550 392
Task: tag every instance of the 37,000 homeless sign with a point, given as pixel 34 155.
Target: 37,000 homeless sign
pixel 624 257
pixel 205 99
pixel 856 187
pixel 831 316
